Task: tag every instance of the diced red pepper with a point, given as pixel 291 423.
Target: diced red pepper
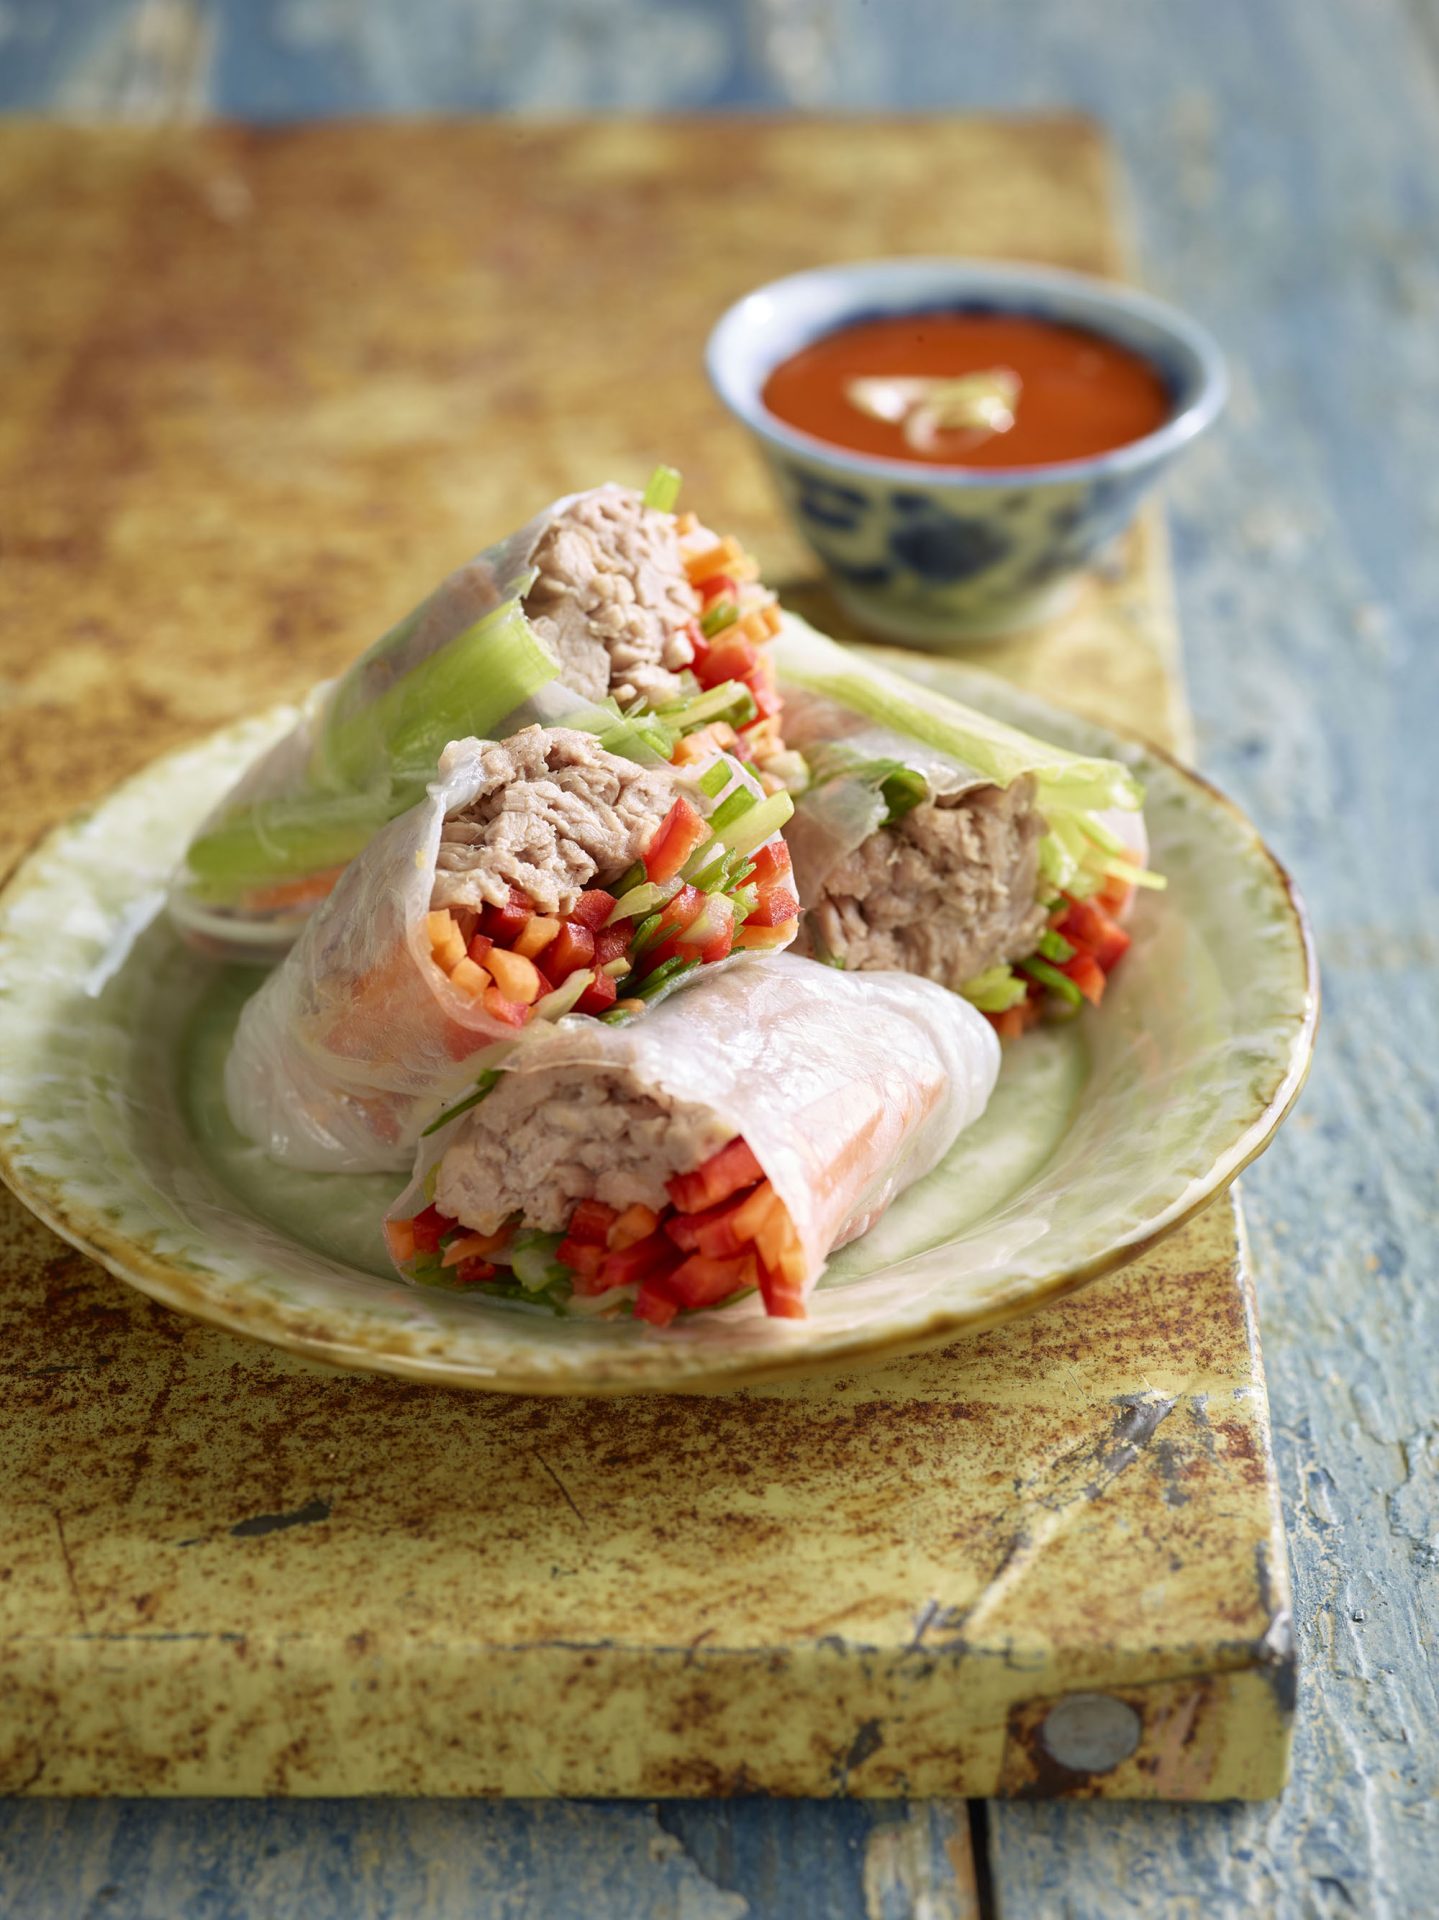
pixel 505 924
pixel 783 1299
pixel 767 699
pixel 584 1257
pixel 719 586
pixel 766 938
pixel 680 832
pixel 592 909
pixel 480 945
pixel 710 934
pixel 722 1175
pixel 429 1228
pixel 729 658
pixel 702 1281
pixel 628 1264
pixel 770 865
pixel 1087 974
pixel 592 1220
pixel 682 910
pixel 711 1232
pixel 653 1305
pixel 508 1011
pixel 474 1271
pixel 613 943
pixel 1090 928
pixel 775 907
pixel 599 996
pixel 572 947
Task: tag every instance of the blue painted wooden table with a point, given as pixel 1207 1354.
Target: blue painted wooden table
pixel 1286 167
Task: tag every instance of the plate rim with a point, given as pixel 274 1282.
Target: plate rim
pixel 722 1370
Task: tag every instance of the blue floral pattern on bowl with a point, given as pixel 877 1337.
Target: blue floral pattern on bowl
pixel 940 555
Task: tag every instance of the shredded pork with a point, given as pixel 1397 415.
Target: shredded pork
pixel 542 1142
pixel 613 600
pixel 946 892
pixel 555 814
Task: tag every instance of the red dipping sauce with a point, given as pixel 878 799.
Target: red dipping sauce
pixel 1077 393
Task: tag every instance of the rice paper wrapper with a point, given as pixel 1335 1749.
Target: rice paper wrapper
pixel 329 757
pixel 358 1040
pixel 848 1087
pixel 831 701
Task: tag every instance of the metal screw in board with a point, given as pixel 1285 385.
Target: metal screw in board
pixel 1090 1732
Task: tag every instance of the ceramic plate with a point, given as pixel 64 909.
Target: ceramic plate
pixel 1104 1133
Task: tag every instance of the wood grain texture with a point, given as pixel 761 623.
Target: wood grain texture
pixel 1284 163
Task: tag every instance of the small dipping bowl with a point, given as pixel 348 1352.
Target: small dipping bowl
pixel 940 555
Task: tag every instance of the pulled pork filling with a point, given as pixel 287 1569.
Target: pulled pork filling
pixel 948 891
pixel 613 600
pixel 554 811
pixel 541 1143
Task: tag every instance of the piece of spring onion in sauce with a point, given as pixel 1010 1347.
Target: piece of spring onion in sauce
pixel 927 408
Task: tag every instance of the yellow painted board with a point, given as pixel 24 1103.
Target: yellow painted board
pixel 259 389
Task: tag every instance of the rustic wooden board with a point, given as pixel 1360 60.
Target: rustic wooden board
pixel 266 388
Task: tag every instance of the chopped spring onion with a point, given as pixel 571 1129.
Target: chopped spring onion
pixel 486 1083
pixel 722 614
pixel 733 807
pixel 616 969
pixel 664 975
pixel 645 740
pixel 663 489
pixel 713 781
pixel 643 899
pixel 634 876
pixel 1051 977
pixel 767 816
pixel 746 902
pixel 533 1262
pixel 557 1003
pixel 1054 946
pixel 731 700
pixel 995 990
pixel 747 828
pixel 645 935
pixel 1136 876
pixel 1095 830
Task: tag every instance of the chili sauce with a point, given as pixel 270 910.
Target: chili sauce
pixel 970 390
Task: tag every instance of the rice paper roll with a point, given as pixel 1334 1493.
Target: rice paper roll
pixel 593 614
pixel 730 1141
pixel 540 877
pixel 931 838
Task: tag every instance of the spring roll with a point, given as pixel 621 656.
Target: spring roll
pixel 930 838
pixel 728 1143
pixel 540 877
pixel 603 612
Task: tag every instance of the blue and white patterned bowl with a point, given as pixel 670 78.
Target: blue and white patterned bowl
pixel 943 555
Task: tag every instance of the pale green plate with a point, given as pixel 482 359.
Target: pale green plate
pixel 1103 1134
